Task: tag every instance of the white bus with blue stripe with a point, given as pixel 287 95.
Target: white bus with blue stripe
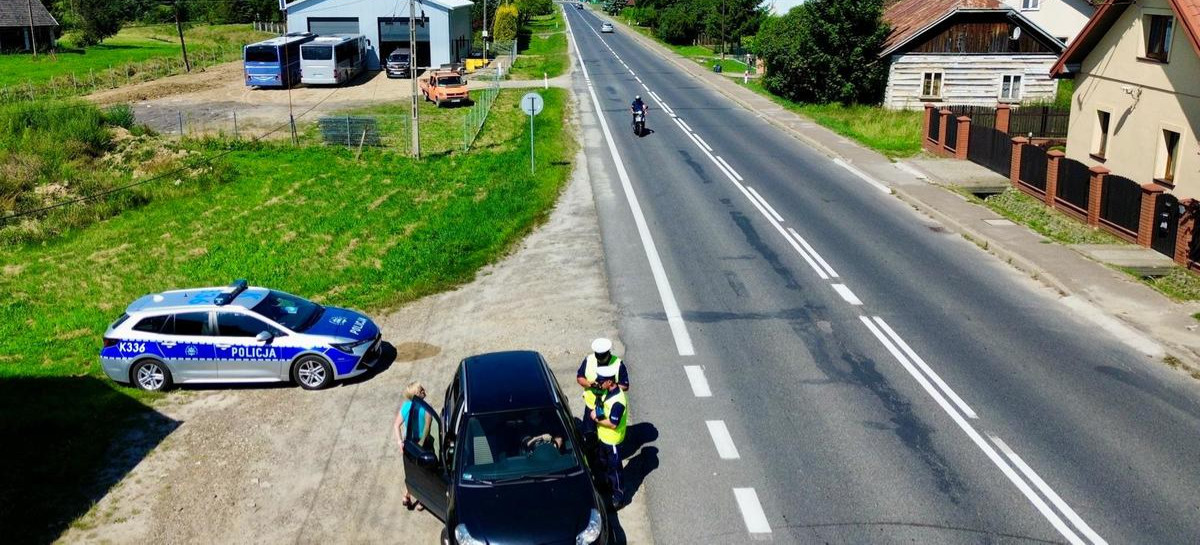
pixel 274 62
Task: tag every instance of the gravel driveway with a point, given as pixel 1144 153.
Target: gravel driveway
pixel 279 464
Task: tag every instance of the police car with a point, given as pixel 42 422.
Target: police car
pixel 236 334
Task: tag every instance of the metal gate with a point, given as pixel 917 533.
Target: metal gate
pixel 325 26
pixel 1166 225
pixel 990 148
pixel 1033 167
pixel 1121 202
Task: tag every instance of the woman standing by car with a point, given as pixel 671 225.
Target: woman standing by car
pixel 400 427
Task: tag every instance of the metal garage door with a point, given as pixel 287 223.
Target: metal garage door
pixel 324 26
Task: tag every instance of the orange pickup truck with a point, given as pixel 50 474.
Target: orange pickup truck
pixel 444 86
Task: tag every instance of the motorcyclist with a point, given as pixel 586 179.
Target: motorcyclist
pixel 638 106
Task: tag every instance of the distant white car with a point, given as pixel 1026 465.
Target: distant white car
pixel 606 27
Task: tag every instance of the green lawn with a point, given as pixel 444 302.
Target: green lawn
pixel 542 48
pixel 132 45
pixel 1021 208
pixel 371 233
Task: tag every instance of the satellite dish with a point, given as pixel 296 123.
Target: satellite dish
pixel 1016 33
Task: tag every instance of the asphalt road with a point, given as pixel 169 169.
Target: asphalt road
pixel 873 378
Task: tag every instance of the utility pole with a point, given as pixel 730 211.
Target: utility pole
pixel 179 26
pixel 485 30
pixel 412 48
pixel 722 29
pixel 33 35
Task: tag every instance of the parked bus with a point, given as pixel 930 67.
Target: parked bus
pixel 333 60
pixel 274 62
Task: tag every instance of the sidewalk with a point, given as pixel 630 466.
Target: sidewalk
pixel 1125 308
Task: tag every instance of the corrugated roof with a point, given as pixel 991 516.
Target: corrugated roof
pixel 1187 14
pixel 908 18
pixel 15 13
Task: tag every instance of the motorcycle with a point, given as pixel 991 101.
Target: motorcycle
pixel 639 122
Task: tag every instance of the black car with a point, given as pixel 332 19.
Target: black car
pixel 398 64
pixel 503 462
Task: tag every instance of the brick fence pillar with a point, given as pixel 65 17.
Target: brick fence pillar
pixel 1147 221
pixel 1052 158
pixel 964 137
pixel 1187 226
pixel 1003 111
pixel 1095 190
pixel 1014 168
pixel 930 111
pixel 941 141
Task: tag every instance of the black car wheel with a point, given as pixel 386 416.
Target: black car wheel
pixel 150 375
pixel 312 373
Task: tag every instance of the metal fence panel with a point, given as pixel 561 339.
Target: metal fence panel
pixel 1033 167
pixel 951 142
pixel 990 148
pixel 1074 183
pixel 1166 225
pixel 1121 202
pixel 935 123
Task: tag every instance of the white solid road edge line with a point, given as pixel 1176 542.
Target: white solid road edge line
pixel 695 375
pixel 847 294
pixel 987 449
pixel 832 273
pixel 763 201
pixel 723 441
pixel 752 511
pixel 740 179
pixel 912 355
pixel 683 341
pixel 1048 492
pixel 863 176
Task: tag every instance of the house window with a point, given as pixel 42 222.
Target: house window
pixel 1158 36
pixel 1010 87
pixel 931 85
pixel 1170 155
pixel 1031 4
pixel 1100 137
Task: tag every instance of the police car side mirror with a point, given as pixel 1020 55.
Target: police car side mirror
pixel 264 337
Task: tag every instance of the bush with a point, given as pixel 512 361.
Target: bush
pixel 504 29
pixel 646 16
pixel 120 115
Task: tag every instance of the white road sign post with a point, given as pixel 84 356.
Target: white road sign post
pixel 532 104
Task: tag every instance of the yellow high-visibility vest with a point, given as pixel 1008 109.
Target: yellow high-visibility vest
pixel 589 373
pixel 610 436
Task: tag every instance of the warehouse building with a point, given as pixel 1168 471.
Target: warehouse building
pixel 443 26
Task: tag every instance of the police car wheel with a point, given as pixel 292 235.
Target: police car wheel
pixel 151 375
pixel 312 373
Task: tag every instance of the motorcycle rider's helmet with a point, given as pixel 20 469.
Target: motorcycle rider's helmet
pixel 638 97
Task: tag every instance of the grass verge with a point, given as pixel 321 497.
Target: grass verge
pixel 894 133
pixel 371 233
pixel 1025 210
pixel 541 48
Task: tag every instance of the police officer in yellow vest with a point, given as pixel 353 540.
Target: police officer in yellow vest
pixel 611 418
pixel 601 357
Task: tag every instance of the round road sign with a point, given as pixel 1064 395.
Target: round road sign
pixel 532 103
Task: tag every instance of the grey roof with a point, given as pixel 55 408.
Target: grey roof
pixel 16 13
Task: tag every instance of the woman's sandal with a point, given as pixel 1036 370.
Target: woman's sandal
pixel 419 506
pixel 409 504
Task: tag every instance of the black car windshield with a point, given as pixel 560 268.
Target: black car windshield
pixel 294 313
pixel 516 445
pixel 398 57
pixel 450 80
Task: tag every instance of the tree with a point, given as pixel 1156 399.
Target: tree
pixel 731 19
pixel 504 29
pixel 98 19
pixel 825 51
pixel 676 25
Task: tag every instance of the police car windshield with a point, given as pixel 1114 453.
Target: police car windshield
pixel 294 313
pixel 516 445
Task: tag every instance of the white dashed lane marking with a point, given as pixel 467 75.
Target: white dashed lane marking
pixel 847 294
pixel 752 511
pixel 695 375
pixel 723 441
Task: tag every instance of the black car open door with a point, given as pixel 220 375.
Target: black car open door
pixel 424 470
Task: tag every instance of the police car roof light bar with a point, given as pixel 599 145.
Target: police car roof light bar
pixel 228 294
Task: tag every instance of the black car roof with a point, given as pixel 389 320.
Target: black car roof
pixel 502 381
